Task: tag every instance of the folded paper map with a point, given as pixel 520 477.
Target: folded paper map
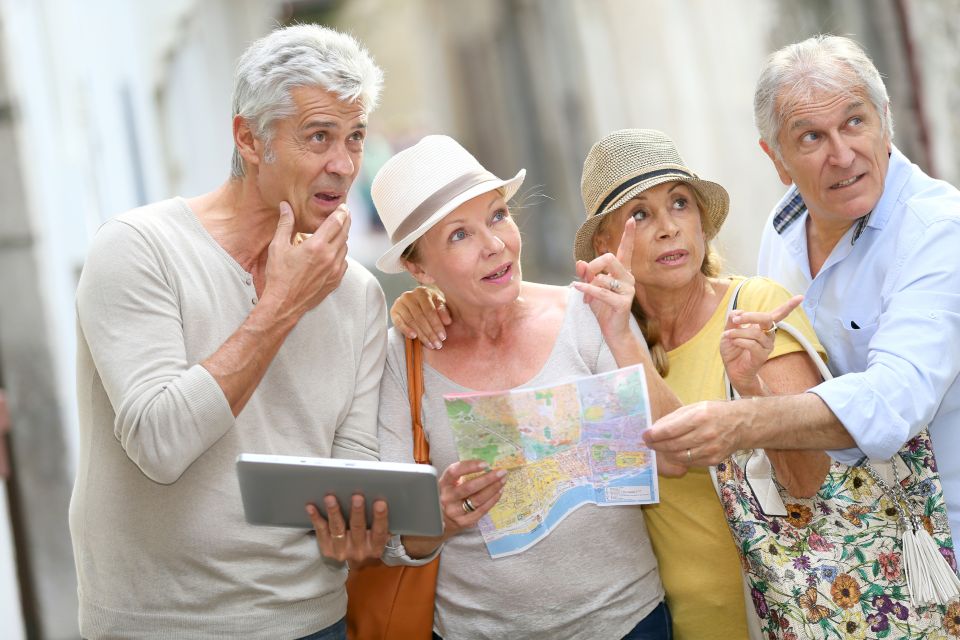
pixel 564 446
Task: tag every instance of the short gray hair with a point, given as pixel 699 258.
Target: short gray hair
pixel 821 63
pixel 303 55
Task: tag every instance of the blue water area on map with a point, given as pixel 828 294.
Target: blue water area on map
pixel 564 506
pixel 644 475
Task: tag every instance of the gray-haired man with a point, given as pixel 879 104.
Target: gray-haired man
pixel 872 241
pixel 208 327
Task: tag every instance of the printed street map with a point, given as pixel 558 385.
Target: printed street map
pixel 564 446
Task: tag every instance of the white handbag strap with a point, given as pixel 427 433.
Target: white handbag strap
pixel 782 325
pixel 758 472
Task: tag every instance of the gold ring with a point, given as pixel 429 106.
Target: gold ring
pixel 468 506
pixel 689 456
pixel 772 331
pixel 614 285
pixel 340 536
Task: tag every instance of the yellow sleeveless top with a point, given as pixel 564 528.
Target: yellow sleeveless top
pixel 699 564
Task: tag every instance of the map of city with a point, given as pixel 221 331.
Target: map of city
pixel 564 446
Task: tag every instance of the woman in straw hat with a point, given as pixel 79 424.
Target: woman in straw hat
pixel 594 575
pixel 637 190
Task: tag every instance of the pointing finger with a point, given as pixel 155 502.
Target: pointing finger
pixel 625 250
pixel 765 319
pixel 786 308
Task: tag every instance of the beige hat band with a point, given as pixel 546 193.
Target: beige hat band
pixel 440 197
pixel 616 192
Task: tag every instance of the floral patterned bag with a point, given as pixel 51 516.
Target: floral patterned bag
pixel 833 565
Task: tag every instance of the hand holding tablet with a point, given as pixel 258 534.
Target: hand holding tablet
pixel 276 490
pixel 356 543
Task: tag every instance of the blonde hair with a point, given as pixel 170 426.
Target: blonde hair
pixel 710 267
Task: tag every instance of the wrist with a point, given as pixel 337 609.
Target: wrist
pixel 271 314
pixel 356 565
pixel 627 349
pixel 741 423
pixel 753 387
pixel 756 422
pixel 418 547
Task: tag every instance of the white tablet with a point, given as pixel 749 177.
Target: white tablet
pixel 277 489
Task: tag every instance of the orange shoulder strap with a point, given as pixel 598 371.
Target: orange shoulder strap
pixel 421 448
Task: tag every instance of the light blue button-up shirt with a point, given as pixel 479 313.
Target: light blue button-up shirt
pixel 886 306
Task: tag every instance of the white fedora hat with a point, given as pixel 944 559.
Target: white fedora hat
pixel 419 186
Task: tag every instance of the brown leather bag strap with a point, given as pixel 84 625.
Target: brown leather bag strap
pixel 421 448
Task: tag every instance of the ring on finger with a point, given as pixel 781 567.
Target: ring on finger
pixel 339 536
pixel 614 285
pixel 689 456
pixel 468 506
pixel 772 331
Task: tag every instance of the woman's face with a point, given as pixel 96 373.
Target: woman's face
pixel 473 254
pixel 669 242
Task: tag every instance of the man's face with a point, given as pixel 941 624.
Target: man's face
pixel 836 151
pixel 316 154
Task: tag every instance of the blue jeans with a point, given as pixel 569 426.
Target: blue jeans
pixel 336 631
pixel 658 625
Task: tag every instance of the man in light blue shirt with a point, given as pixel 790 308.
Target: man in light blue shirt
pixel 874 243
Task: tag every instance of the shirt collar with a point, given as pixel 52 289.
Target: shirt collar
pixel 898 173
pixel 790 209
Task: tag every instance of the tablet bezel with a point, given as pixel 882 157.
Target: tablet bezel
pixel 275 490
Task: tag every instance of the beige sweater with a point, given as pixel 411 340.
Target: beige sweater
pixel 159 537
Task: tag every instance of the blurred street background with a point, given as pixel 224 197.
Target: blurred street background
pixel 106 105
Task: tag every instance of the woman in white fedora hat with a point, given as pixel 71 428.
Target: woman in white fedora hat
pixel 594 575
pixel 637 189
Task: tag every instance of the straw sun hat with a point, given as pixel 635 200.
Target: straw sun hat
pixel 419 186
pixel 628 161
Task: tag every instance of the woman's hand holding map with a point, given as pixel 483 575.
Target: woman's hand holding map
pixel 468 490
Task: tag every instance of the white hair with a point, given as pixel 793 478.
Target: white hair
pixel 303 55
pixel 822 63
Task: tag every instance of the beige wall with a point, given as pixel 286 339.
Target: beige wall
pixel 688 68
pixel 535 82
